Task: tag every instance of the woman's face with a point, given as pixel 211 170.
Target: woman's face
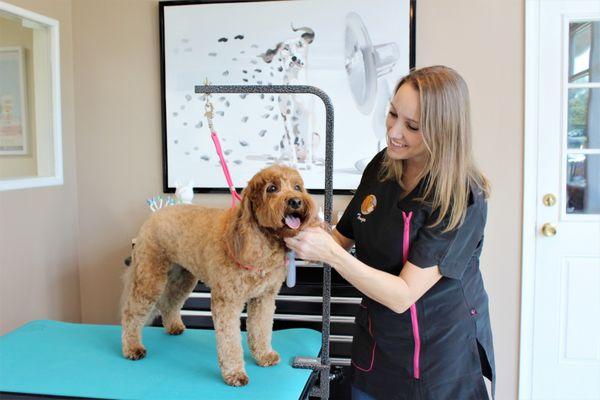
pixel 404 136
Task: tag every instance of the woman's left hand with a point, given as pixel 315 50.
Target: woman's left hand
pixel 313 244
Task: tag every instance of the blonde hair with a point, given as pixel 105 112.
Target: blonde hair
pixel 446 127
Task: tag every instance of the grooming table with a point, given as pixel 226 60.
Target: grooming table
pixel 81 360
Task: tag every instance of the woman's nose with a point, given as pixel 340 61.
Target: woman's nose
pixel 395 130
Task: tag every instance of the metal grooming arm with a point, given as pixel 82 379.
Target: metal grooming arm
pixel 321 364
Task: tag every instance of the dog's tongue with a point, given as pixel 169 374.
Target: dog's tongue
pixel 292 222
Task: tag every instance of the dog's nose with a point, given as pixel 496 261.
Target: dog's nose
pixel 295 203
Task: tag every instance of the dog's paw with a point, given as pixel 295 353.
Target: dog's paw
pixel 238 378
pixel 175 329
pixel 268 359
pixel 136 353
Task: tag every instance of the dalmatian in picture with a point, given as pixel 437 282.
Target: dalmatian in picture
pixel 297 143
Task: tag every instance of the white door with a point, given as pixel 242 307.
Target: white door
pixel 562 352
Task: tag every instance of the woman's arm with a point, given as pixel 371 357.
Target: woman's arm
pixel 342 240
pixel 397 293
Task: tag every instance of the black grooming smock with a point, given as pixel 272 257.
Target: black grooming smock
pixel 452 351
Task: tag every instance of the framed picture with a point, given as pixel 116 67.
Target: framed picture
pixel 353 50
pixel 13 101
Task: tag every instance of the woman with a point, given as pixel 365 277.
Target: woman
pixel 417 221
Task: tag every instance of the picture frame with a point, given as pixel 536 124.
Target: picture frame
pixel 13 102
pixel 350 49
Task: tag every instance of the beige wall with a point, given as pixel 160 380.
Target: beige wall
pixel 118 159
pixel 39 278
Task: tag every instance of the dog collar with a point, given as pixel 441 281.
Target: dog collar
pixel 235 260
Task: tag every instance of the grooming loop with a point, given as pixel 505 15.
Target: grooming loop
pixel 209 113
pixel 320 365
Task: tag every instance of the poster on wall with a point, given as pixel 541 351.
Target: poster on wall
pixel 13 116
pixel 353 50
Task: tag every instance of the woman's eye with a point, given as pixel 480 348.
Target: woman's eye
pixel 412 128
pixel 393 114
pixel 298 188
pixel 271 189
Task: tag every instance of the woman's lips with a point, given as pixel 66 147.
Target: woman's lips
pixel 397 144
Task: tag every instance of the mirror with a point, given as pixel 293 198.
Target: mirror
pixel 30 128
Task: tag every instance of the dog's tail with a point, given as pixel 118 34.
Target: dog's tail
pixel 127 279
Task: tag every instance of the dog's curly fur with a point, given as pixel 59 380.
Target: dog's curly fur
pixel 179 245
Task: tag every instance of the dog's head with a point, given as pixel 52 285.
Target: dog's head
pixel 291 51
pixel 277 200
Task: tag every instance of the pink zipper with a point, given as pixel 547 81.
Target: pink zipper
pixel 413 308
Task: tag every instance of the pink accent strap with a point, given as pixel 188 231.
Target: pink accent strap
pixel 406 237
pixel 413 308
pixel 230 254
pixel 234 194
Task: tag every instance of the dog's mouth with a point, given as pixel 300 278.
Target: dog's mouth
pixel 293 220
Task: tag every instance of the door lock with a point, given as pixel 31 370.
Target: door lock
pixel 549 200
pixel 548 230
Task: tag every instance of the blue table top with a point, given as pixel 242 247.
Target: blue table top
pixel 68 359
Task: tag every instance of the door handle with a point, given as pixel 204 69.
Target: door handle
pixel 548 230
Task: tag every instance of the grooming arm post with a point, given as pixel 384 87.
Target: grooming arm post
pixel 321 364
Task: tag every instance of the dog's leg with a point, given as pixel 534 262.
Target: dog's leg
pixel 226 318
pixel 260 326
pixel 291 147
pixel 286 113
pixel 180 283
pixel 146 286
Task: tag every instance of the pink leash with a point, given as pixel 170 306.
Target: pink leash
pixel 413 308
pixel 234 194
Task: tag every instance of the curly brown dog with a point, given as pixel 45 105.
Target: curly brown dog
pixel 238 252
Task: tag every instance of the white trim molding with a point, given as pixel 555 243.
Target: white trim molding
pixel 55 159
pixel 532 57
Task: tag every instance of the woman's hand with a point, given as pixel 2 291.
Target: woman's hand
pixel 313 244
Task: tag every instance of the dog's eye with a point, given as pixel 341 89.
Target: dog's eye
pixel 271 189
pixel 298 188
pixel 294 58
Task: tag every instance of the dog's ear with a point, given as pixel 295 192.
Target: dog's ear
pixel 268 55
pixel 243 223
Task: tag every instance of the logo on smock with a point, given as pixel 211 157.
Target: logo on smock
pixel 366 207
